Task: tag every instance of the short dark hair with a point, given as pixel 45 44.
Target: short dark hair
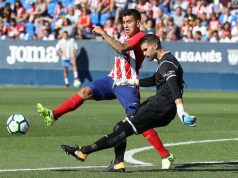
pixel 66 32
pixel 132 12
pixel 150 38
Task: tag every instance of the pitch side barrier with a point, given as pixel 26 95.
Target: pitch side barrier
pixel 212 66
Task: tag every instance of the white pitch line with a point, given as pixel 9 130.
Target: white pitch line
pixel 50 168
pixel 129 158
pixel 95 167
pixel 129 154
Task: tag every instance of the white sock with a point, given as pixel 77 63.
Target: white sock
pixel 76 75
pixel 66 81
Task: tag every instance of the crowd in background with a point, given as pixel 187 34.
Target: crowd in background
pixel 171 20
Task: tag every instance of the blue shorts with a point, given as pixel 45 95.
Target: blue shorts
pixel 66 63
pixel 128 96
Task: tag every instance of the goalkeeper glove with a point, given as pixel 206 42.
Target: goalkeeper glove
pixel 184 117
pixel 125 82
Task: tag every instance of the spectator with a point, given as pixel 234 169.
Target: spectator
pixel 132 4
pixel 67 26
pixel 179 3
pixel 60 20
pixel 41 25
pixel 224 2
pixel 15 31
pixel 109 28
pixel 93 5
pixel 165 6
pixel 202 6
pixel 227 38
pixel 35 37
pixel 78 34
pixel 155 8
pixel 178 16
pixel 67 49
pixel 47 36
pixel 217 7
pixel 198 36
pixel 205 8
pixel 213 14
pixel 234 32
pixel 234 6
pixel 198 27
pixel 225 31
pixel 214 37
pixel 161 31
pixel 104 6
pixel 3 30
pixel 191 17
pixel 227 17
pixel 188 37
pixel 204 19
pixel 84 21
pixel 185 28
pixel 172 30
pixel 77 10
pixel 19 11
pixel 6 13
pixel 214 22
pixel 150 26
pixel 83 3
pixel 144 19
pixel 2 4
pixel 118 6
pixel 39 11
pixel 59 9
pixel 30 11
pixel 161 17
pixel 119 33
pixel 71 15
pixel 144 6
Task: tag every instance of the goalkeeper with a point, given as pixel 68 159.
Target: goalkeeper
pixel 157 111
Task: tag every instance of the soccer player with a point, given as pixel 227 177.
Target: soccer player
pixel 128 61
pixel 157 111
pixel 67 48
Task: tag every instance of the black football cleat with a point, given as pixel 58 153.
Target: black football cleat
pixel 75 152
pixel 116 167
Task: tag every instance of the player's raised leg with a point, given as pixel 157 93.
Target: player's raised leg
pixel 108 141
pixel 70 104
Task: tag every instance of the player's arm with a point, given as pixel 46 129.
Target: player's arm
pixel 169 73
pixel 146 82
pixel 73 54
pixel 58 50
pixel 118 46
pixel 74 50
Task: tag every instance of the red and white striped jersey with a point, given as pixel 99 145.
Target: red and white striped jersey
pixel 127 65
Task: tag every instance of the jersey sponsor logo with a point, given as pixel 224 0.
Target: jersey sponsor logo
pixel 199 56
pixel 169 73
pixel 32 54
pixel 232 56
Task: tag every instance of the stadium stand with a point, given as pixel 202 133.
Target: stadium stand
pixel 172 20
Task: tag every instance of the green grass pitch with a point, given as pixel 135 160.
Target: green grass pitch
pixel 217 118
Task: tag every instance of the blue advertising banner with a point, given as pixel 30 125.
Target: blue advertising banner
pixel 37 63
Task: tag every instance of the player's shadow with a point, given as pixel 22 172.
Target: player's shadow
pixel 83 66
pixel 199 167
pixel 181 167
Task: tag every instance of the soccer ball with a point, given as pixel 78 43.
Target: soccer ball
pixel 17 124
